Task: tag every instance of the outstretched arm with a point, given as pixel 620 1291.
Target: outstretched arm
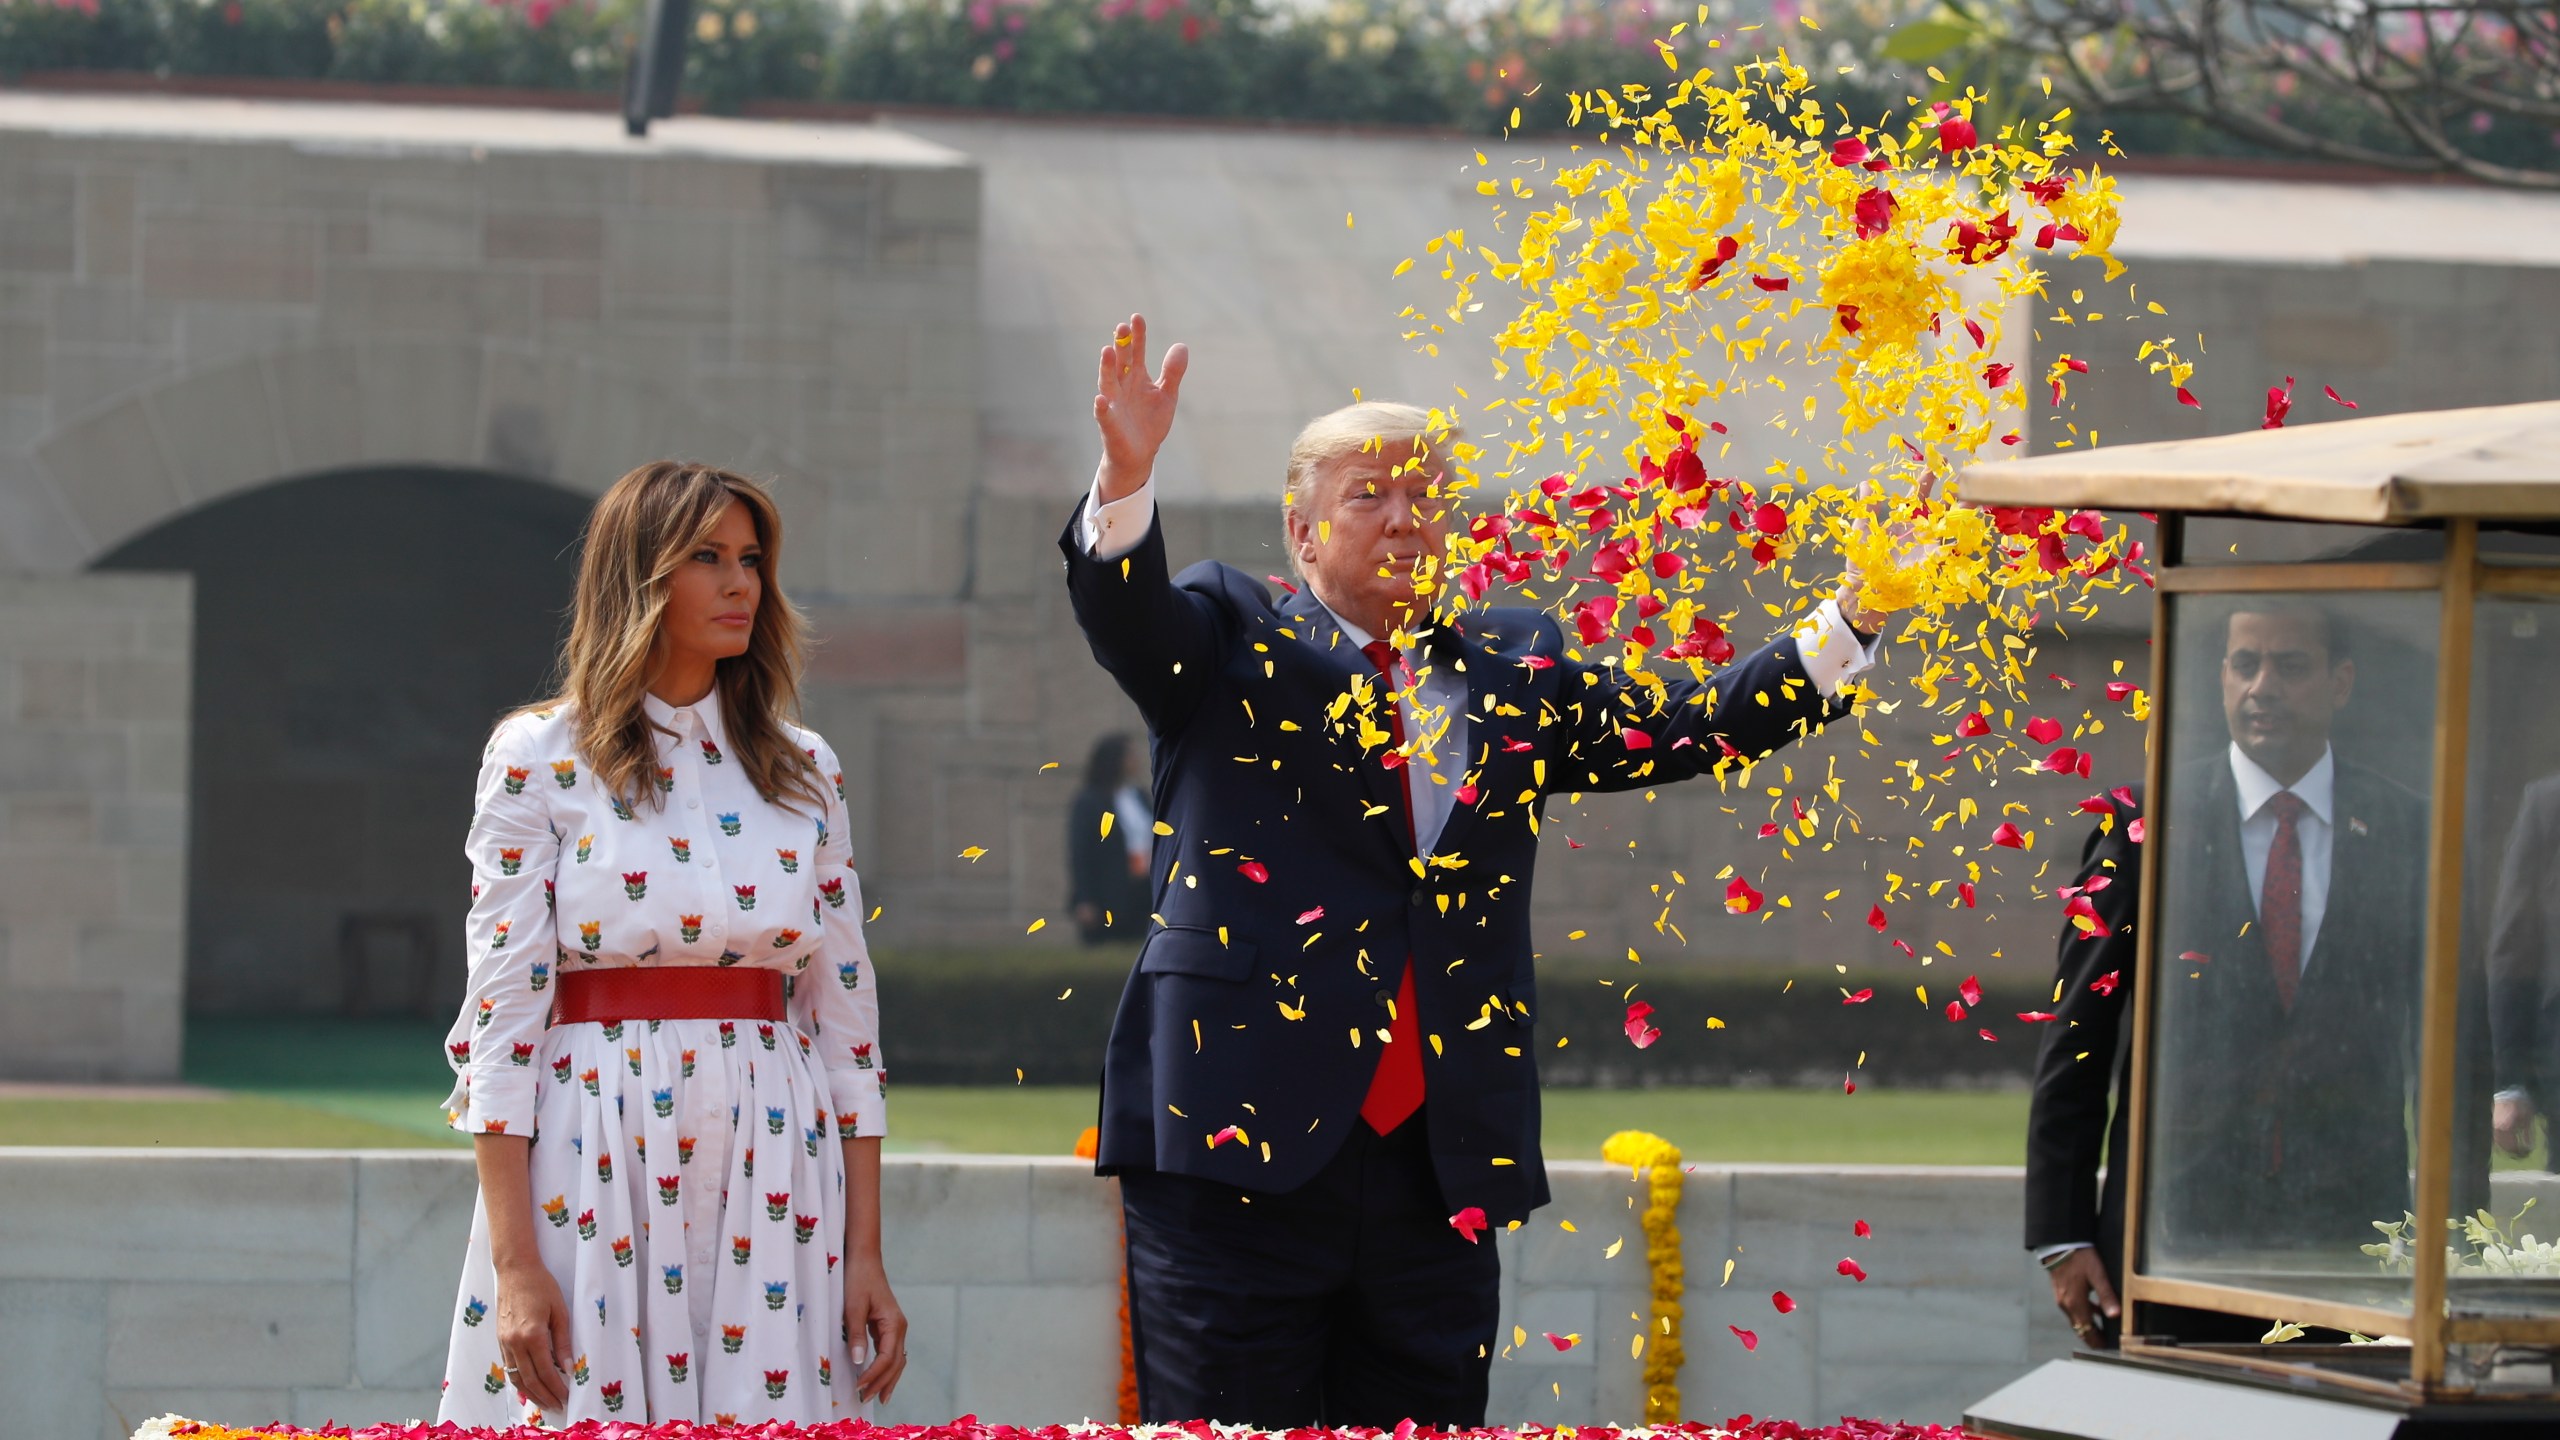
pixel 1621 734
pixel 1158 640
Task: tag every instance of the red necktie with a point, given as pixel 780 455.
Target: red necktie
pixel 2280 899
pixel 1395 1091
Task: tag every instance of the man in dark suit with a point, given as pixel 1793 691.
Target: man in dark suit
pixel 1320 1090
pixel 2293 900
pixel 2524 972
pixel 2075 1218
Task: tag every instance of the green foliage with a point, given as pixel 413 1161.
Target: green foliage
pixel 1379 62
pixel 1491 68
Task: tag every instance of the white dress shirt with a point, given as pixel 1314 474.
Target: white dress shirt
pixel 2317 790
pixel 1136 824
pixel 1829 648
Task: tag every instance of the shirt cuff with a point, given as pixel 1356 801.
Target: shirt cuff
pixel 492 1100
pixel 1830 650
pixel 862 1112
pixel 1114 529
pixel 2046 1255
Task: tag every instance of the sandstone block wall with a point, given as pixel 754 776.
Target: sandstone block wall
pixel 94 676
pixel 310 1286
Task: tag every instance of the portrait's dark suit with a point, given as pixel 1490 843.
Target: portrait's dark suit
pixel 2524 952
pixel 2283 1127
pixel 1287 901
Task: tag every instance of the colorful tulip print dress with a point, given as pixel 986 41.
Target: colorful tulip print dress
pixel 688 1174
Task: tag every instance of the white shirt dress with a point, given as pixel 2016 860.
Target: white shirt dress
pixel 688 1178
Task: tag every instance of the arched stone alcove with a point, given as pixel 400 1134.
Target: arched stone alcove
pixel 356 633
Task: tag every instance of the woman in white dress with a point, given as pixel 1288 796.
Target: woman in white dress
pixel 669 1056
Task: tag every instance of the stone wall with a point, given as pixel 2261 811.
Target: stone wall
pixel 312 1286
pixel 198 296
pixel 93 824
pixel 308 1286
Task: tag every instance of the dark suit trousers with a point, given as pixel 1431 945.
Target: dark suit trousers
pixel 1348 1301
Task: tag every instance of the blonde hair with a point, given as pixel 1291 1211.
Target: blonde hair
pixel 1388 426
pixel 639 533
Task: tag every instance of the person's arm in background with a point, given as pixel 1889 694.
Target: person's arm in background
pixel 1094 864
pixel 2520 964
pixel 2075 1071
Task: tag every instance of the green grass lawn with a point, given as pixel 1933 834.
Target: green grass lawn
pixel 1943 1128
pixel 329 1084
pixel 1799 1127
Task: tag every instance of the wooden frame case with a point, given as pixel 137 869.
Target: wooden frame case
pixel 2458 579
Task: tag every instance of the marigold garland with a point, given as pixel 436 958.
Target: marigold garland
pixel 1088 1147
pixel 1649 1154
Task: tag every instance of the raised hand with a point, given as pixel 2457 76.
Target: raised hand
pixel 1133 409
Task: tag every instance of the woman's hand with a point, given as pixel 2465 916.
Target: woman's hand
pixel 872 1317
pixel 533 1318
pixel 533 1335
pixel 1132 409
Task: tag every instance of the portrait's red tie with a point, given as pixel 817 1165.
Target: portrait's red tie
pixel 1395 1090
pixel 2280 898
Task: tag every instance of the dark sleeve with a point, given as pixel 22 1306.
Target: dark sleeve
pixel 1160 641
pixel 1090 875
pixel 2519 951
pixel 1619 735
pixel 2076 1060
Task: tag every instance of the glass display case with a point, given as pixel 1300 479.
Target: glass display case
pixel 2346 1012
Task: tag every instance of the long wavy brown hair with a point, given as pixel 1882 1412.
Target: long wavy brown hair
pixel 638 534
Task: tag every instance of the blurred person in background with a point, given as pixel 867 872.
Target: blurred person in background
pixel 1107 862
pixel 2524 1000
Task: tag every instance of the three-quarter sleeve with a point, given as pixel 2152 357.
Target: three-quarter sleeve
pixel 510 939
pixel 836 1002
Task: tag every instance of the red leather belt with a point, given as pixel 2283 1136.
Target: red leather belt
pixel 668 992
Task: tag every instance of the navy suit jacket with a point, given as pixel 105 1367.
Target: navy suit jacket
pixel 1287 897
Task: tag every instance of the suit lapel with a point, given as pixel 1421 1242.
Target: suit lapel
pixel 2353 882
pixel 1486 679
pixel 2223 875
pixel 1337 658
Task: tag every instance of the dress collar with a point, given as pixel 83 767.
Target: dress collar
pixel 702 719
pixel 2317 789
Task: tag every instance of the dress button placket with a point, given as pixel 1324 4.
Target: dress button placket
pixel 715 903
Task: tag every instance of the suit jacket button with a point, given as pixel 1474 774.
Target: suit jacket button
pixel 1386 998
pixel 1420 897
